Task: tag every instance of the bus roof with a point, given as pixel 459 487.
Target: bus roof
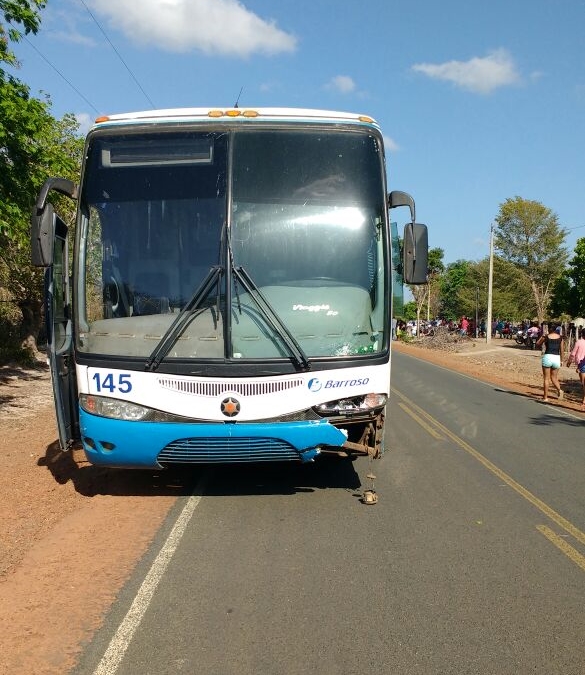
pixel 233 114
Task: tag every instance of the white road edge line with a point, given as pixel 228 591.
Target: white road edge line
pixel 120 642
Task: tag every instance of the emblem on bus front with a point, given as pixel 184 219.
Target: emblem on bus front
pixel 230 407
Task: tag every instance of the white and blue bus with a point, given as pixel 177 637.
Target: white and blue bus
pixel 230 293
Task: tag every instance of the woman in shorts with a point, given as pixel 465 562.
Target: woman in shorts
pixel 577 356
pixel 551 361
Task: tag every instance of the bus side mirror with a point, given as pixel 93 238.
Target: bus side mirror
pixel 42 234
pixel 415 253
pixel 42 224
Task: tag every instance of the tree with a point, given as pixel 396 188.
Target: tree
pixel 33 146
pixel 409 311
pixel 54 150
pixel 454 278
pixel 17 13
pixel 511 292
pixel 528 234
pixel 564 301
pixel 576 273
pixel 569 289
pixel 436 269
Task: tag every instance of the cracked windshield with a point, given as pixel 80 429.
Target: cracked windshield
pixel 300 262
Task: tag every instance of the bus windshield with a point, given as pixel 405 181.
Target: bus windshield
pixel 293 222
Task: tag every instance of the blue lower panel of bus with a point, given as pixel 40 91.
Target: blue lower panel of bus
pixel 110 442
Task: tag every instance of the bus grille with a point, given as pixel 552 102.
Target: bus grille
pixel 212 389
pixel 219 450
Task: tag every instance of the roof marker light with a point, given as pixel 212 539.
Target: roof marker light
pixel 233 113
pixel 250 113
pixel 103 118
pixel 215 113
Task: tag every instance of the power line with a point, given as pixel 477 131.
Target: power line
pixel 118 54
pixel 46 60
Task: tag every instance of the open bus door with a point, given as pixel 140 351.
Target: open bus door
pixel 50 250
pixel 60 339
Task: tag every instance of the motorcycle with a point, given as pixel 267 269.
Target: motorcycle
pixel 530 340
pixel 526 338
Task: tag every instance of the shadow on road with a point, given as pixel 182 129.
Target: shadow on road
pixel 246 479
pixel 546 419
pixel 90 480
pixel 284 479
pixel 569 405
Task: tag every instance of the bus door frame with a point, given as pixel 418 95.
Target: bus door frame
pixel 60 338
pixel 50 249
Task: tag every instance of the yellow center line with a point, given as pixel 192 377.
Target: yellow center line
pixel 420 421
pixel 502 475
pixel 562 545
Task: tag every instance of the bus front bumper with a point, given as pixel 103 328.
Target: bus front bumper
pixel 119 443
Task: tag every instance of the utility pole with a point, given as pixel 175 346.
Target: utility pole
pixel 476 311
pixel 488 328
pixel 428 301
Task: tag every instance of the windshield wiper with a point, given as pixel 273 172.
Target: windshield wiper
pixel 272 318
pixel 184 318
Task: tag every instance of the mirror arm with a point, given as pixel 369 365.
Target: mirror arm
pixel 62 185
pixel 399 198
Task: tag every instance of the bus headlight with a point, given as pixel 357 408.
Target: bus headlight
pixel 114 408
pixel 356 405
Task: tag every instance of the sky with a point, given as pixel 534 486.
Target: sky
pixel 478 101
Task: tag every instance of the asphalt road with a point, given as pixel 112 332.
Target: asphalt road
pixel 472 561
